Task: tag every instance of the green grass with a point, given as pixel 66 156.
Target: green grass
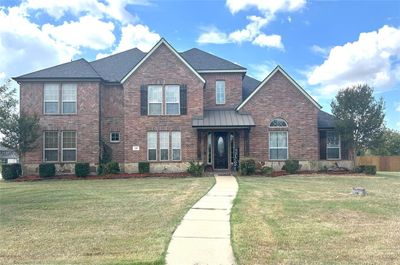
pixel 124 221
pixel 316 220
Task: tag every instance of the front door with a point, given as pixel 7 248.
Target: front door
pixel 221 150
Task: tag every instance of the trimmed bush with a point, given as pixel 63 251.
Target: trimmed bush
pixel 47 170
pixel 291 166
pixel 370 170
pixel 247 166
pixel 11 171
pixel 195 169
pixel 359 169
pixel 82 169
pixel 266 171
pixel 111 168
pixel 144 167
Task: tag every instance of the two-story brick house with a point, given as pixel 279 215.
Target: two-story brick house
pixel 169 108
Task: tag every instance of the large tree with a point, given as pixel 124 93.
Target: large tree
pixel 359 117
pixel 8 102
pixel 390 145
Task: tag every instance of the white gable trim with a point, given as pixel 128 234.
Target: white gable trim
pixel 222 71
pixel 278 68
pixel 162 41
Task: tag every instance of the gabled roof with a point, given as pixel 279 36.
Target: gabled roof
pixel 223 118
pixel 326 120
pixel 249 84
pixel 205 62
pixel 278 68
pixel 79 69
pixel 162 41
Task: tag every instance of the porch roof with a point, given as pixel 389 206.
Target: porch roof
pixel 222 119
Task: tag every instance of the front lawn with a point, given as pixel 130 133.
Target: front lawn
pixel 316 220
pixel 121 221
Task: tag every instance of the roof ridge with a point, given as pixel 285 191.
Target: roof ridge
pixel 195 48
pixel 91 66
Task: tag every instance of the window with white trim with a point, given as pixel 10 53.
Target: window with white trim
pixel 176 145
pixel 279 123
pixel 69 98
pixel 152 146
pixel 209 148
pixel 278 145
pixel 68 146
pixel 50 146
pixel 51 98
pixel 172 100
pixel 155 99
pixel 114 137
pixel 220 92
pixel 164 146
pixel 332 145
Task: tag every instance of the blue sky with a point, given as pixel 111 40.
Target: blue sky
pixel 324 45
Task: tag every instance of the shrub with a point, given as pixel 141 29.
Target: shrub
pixel 291 166
pixel 144 167
pixel 370 170
pixel 359 169
pixel 247 166
pixel 111 168
pixel 11 171
pixel 82 169
pixel 266 171
pixel 47 170
pixel 195 169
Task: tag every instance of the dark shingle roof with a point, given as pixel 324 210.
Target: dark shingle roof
pixel 325 120
pixel 249 85
pixel 75 69
pixel 201 60
pixel 223 118
pixel 115 67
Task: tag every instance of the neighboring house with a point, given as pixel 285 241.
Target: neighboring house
pixel 169 108
pixel 7 156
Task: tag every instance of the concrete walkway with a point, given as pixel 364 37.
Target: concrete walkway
pixel 204 235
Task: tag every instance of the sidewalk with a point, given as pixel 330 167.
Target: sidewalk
pixel 203 237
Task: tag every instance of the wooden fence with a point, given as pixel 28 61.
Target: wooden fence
pixel 382 163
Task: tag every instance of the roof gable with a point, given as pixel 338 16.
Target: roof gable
pixel 278 68
pixel 162 41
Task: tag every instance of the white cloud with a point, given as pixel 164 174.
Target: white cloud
pixel 398 107
pixel 273 41
pixel 261 70
pixel 251 31
pixel 320 50
pixel 366 60
pixel 132 36
pixel 265 6
pixel 214 36
pixel 89 32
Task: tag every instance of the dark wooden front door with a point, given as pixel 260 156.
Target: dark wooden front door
pixel 221 150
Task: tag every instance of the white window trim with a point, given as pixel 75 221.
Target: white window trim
pixel 154 102
pixel 51 149
pixel 168 139
pixel 66 101
pixel 148 158
pixel 180 146
pixel 166 102
pixel 51 101
pixel 114 141
pixel 340 147
pixel 287 148
pixel 216 93
pixel 67 149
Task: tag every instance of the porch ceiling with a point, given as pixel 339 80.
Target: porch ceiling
pixel 223 118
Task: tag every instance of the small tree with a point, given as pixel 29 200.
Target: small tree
pixel 359 117
pixel 390 145
pixel 8 102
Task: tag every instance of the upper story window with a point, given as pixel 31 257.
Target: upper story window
pixel 114 137
pixel 332 145
pixel 278 123
pixel 60 99
pixel 220 92
pixel 155 99
pixel 163 100
pixel 172 100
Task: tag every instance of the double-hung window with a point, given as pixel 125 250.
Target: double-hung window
pixel 172 100
pixel 278 145
pixel 69 98
pixel 53 94
pixel 51 98
pixel 164 146
pixel 220 92
pixel 68 146
pixel 176 145
pixel 155 99
pixel 50 146
pixel 332 145
pixel 152 146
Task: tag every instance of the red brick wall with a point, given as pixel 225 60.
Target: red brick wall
pixel 279 98
pixel 112 118
pixel 233 90
pixel 162 67
pixel 85 123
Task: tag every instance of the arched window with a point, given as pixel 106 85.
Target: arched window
pixel 278 140
pixel 278 123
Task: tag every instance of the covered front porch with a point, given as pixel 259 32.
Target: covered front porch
pixel 222 138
